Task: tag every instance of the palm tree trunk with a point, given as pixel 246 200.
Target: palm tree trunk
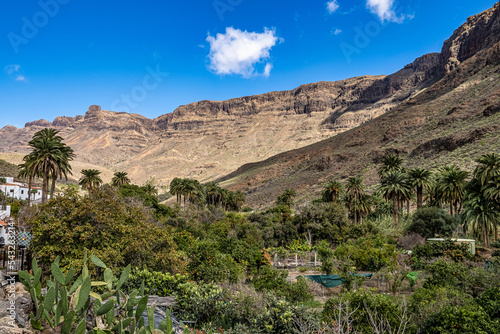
pixel 45 185
pixel 486 237
pixel 496 233
pixel 407 208
pixel 451 208
pixel 419 197
pixel 395 209
pixel 30 180
pixel 355 213
pixel 53 187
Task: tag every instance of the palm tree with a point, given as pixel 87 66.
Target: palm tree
pixel 28 172
pixel 480 214
pixel 331 191
pixel 90 179
pixel 239 199
pixel 488 168
pixel 420 179
pixel 49 158
pixel 451 183
pixel 390 163
pixel 150 189
pixel 355 189
pixel 120 178
pixel 212 190
pixel 394 186
pixel 175 188
pixel 364 206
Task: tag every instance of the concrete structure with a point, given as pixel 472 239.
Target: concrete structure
pixel 20 190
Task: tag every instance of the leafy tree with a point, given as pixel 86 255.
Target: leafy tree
pixel 286 198
pixel 433 222
pixel 121 233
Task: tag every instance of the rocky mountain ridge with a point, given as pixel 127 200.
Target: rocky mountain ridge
pixel 209 139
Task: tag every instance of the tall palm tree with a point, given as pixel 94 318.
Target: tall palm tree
pixel 488 168
pixel 355 189
pixel 90 179
pixel 212 190
pixel 49 158
pixel 390 163
pixel 420 179
pixel 331 191
pixel 26 171
pixel 487 173
pixel 451 183
pixel 480 214
pixel 394 186
pixel 120 178
pixel 175 188
pixel 239 199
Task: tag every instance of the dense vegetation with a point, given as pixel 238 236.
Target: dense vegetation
pixel 216 256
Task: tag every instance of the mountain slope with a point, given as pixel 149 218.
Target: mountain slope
pixel 209 139
pixel 454 121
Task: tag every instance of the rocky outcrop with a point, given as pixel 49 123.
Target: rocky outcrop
pixel 480 32
pixel 40 123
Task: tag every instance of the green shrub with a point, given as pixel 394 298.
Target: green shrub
pixel 446 273
pixel 277 317
pixel 358 303
pixel 207 304
pixel 155 283
pixel 369 253
pixel 490 302
pixel 447 248
pixel 433 222
pixel 470 319
pixel 428 300
pixel 275 281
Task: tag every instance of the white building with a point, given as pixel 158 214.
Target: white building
pixel 4 214
pixel 20 190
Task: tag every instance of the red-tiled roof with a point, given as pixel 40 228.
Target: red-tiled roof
pixel 3 223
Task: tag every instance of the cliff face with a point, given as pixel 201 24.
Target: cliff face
pixel 480 32
pixel 209 139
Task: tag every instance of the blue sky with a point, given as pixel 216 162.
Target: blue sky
pixel 58 57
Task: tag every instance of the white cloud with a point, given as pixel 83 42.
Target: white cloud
pixel 238 52
pixel 14 71
pixel 267 70
pixel 332 6
pixel 383 9
pixel 336 31
pixel 11 69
